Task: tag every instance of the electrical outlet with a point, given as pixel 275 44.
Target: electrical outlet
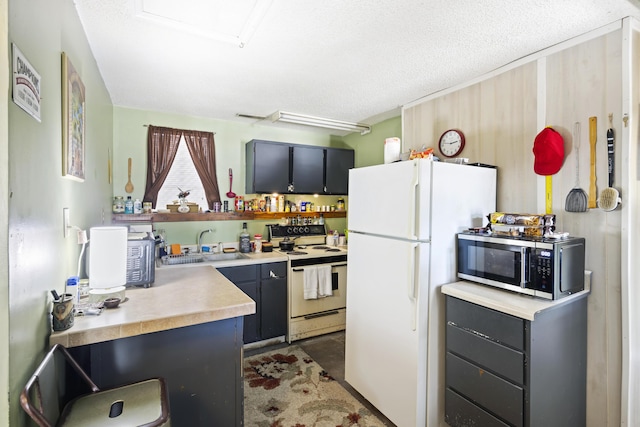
pixel 65 221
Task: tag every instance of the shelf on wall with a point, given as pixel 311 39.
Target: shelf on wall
pixel 219 216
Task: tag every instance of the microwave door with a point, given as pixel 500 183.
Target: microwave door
pixel 496 264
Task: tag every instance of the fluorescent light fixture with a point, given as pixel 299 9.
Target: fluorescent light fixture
pixel 302 119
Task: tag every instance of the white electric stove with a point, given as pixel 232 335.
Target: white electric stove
pixel 316 316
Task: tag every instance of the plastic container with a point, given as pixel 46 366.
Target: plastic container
pixel 137 207
pixel 72 288
pixel 128 206
pixel 391 150
pixel 257 241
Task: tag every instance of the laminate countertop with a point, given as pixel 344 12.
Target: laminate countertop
pixel 179 297
pixel 519 305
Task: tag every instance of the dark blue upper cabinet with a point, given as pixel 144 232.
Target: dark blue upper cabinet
pixel 338 161
pixel 276 167
pixel 267 168
pixel 308 170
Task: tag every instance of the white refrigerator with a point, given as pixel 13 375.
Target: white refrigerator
pixel 402 222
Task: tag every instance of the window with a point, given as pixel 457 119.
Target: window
pixel 163 159
pixel 182 177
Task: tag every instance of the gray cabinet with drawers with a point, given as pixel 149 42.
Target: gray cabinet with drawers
pixel 502 370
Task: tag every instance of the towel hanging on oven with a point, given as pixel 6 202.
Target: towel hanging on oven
pixel 325 284
pixel 310 282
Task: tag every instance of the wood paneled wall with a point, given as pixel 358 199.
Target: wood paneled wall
pixel 500 117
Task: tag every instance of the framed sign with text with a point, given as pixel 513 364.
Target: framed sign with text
pixel 26 84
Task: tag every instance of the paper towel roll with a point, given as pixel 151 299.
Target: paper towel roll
pixel 107 257
pixel 391 150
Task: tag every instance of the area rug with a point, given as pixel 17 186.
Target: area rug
pixel 286 388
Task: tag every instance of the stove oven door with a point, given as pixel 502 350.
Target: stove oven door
pixel 299 306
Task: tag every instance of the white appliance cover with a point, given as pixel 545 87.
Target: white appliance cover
pixel 107 257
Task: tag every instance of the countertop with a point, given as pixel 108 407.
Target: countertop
pixel 519 305
pixel 181 296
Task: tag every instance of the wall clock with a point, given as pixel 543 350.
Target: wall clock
pixel 451 143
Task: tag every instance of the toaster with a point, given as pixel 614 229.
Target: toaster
pixel 141 267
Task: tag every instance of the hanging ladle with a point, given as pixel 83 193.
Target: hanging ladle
pixel 231 194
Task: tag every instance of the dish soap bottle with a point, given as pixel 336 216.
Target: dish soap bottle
pixel 245 241
pixel 128 206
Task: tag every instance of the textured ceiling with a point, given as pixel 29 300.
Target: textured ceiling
pixel 348 60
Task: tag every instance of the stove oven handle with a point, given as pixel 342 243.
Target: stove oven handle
pixel 297 270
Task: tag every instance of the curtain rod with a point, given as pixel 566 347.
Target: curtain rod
pixel 191 130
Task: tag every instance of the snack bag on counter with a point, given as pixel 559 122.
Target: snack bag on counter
pixel 516 224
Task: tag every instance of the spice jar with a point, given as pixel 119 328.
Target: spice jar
pixel 239 203
pixel 118 204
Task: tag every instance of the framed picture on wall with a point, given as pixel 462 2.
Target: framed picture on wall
pixel 73 122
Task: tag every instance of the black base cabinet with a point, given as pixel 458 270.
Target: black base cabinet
pixel 501 370
pixel 266 284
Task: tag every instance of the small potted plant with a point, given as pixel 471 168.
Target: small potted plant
pixel 182 197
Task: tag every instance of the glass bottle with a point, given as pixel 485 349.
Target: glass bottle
pixel 245 241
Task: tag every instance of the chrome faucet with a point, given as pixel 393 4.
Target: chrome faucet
pixel 200 239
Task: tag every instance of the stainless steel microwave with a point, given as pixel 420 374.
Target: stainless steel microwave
pixel 546 268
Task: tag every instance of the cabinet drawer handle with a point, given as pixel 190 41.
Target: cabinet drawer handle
pixel 273 275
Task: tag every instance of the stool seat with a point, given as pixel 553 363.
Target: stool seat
pixel 60 393
pixel 136 404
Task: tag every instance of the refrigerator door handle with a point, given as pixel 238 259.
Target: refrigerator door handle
pixel 413 199
pixel 413 284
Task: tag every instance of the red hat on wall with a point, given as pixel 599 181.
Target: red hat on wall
pixel 548 148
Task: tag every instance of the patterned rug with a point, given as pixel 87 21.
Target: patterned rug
pixel 286 388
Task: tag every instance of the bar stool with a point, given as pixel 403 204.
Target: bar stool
pixel 58 396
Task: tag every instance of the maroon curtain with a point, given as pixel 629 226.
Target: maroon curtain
pixel 203 153
pixel 162 146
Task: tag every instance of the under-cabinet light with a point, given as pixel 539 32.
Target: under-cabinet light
pixel 301 119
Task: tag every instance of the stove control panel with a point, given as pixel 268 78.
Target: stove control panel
pixel 281 231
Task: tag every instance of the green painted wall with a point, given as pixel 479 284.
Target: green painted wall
pixel 370 148
pixel 4 206
pixel 40 258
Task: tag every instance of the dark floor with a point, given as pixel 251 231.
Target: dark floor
pixel 328 351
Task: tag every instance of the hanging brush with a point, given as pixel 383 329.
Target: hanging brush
pixel 577 198
pixel 610 197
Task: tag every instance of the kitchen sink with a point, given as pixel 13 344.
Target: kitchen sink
pixel 223 257
pixel 200 258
